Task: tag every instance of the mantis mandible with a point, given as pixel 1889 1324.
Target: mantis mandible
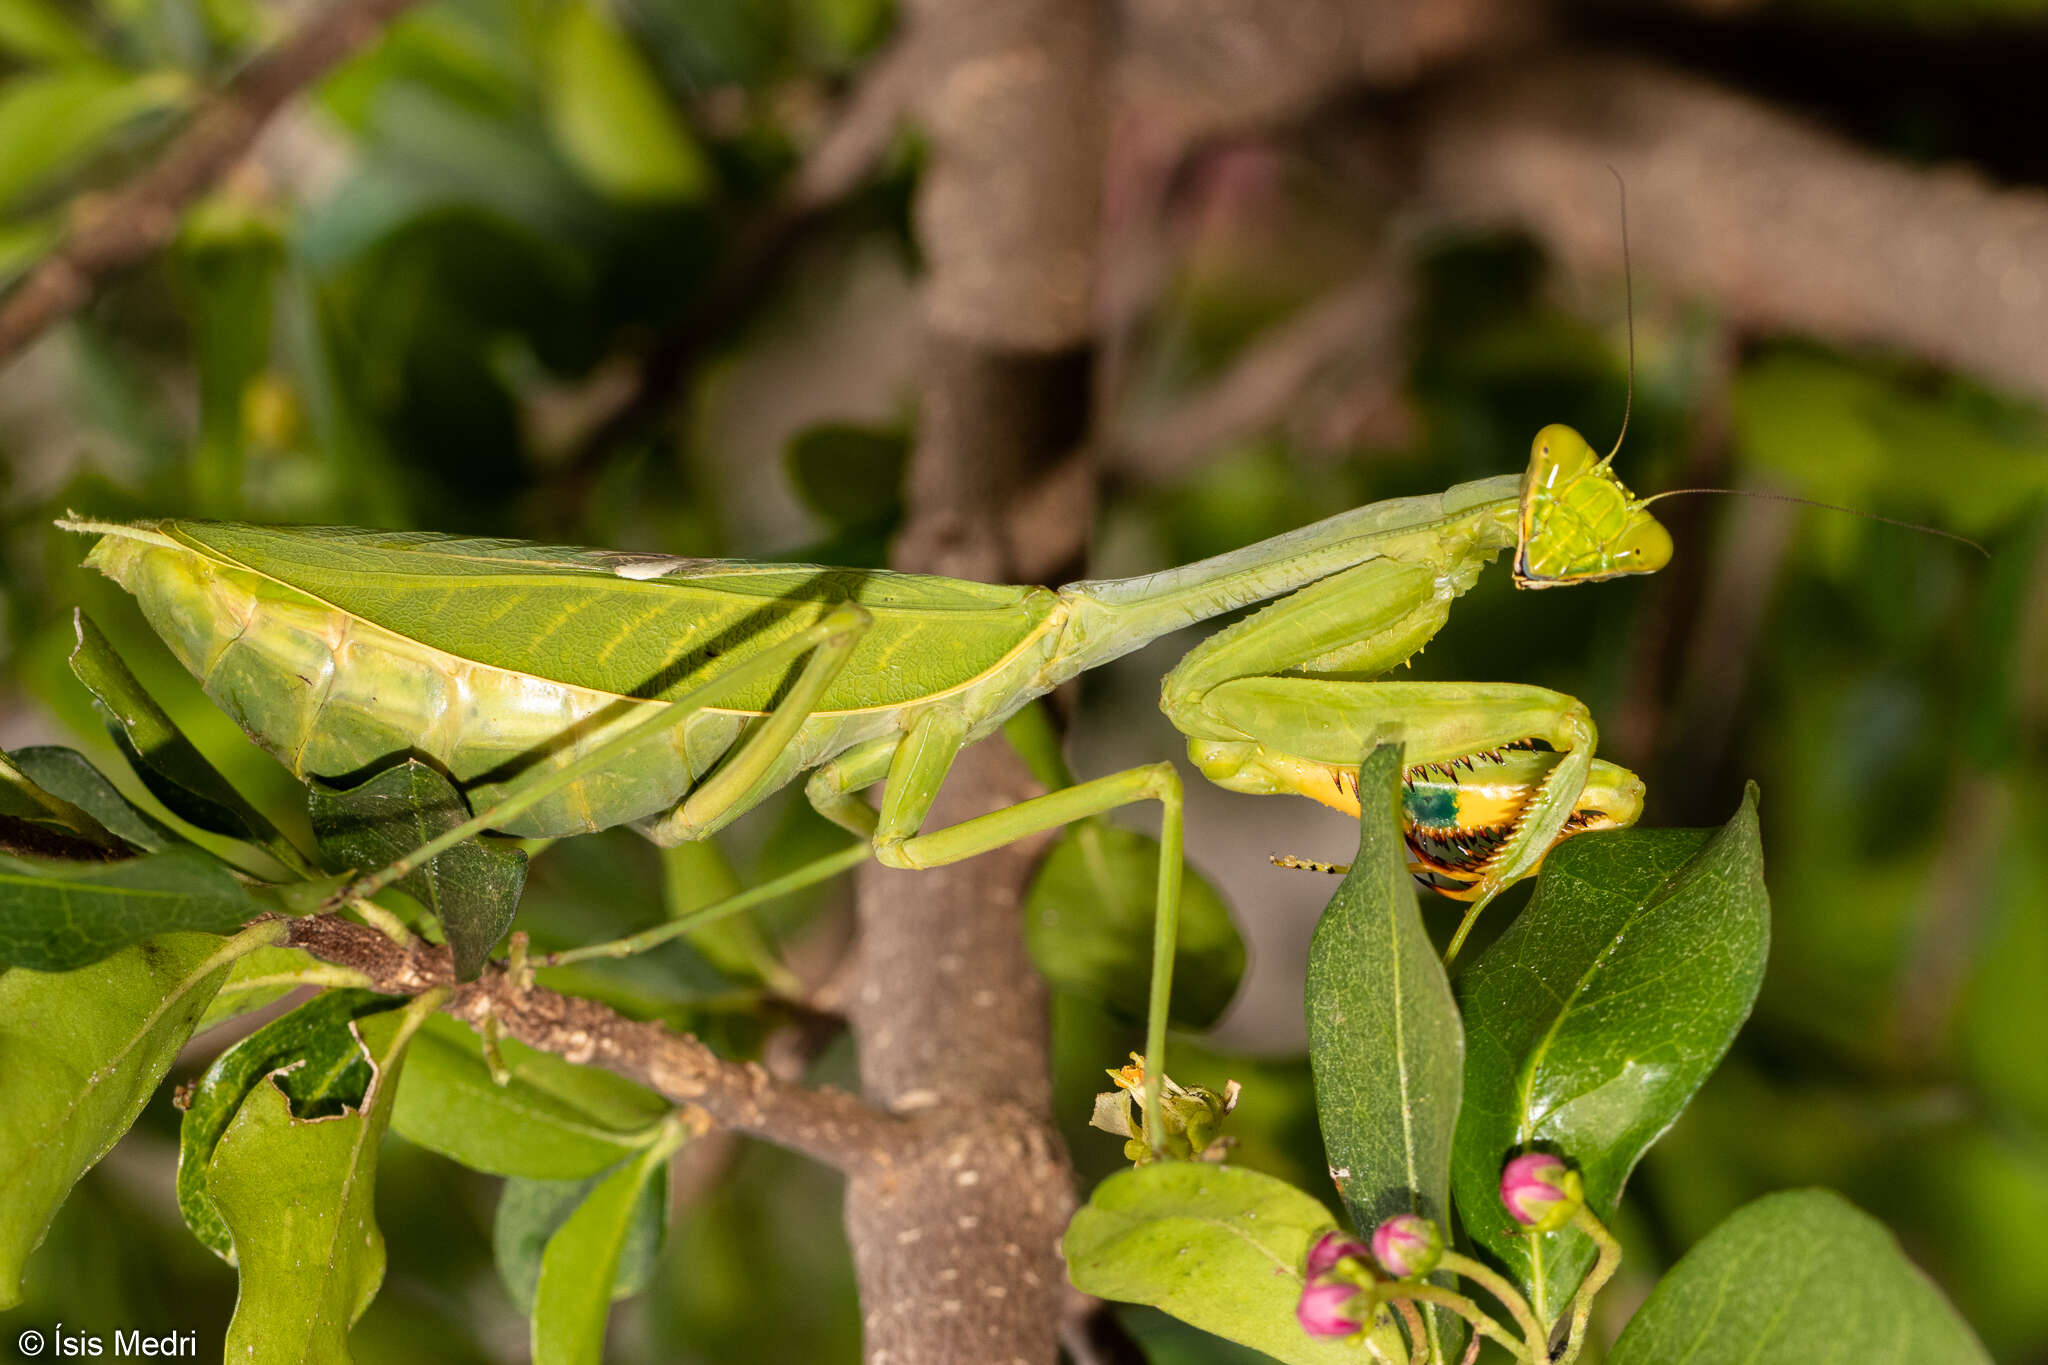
pixel 568 690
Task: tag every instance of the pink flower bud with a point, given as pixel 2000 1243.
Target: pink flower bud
pixel 1541 1191
pixel 1325 1309
pixel 1330 1248
pixel 1407 1246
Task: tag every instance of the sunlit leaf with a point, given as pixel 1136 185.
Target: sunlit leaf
pixel 530 1212
pixel 315 1059
pixel 51 119
pixel 1216 1246
pixel 1594 1019
pixel 552 1120
pixel 41 31
pixel 581 1270
pixel 1791 1279
pixel 298 1197
pixel 230 1003
pixel 80 1054
pixel 615 123
pixel 1384 1037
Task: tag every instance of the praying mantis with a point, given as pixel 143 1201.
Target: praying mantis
pixel 569 690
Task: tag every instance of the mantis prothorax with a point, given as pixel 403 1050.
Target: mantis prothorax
pixel 568 690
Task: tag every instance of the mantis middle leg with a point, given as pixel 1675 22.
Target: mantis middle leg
pixel 917 768
pixel 828 643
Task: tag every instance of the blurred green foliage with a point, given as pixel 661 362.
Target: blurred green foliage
pixel 420 310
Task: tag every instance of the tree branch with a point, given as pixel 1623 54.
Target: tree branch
pixel 1781 226
pixel 827 1125
pixel 1361 326
pixel 957 1248
pixel 1212 66
pixel 139 218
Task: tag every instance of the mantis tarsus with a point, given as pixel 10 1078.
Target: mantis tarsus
pixel 569 690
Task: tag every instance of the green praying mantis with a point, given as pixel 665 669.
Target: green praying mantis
pixel 569 690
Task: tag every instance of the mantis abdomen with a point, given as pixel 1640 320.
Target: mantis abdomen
pixel 331 694
pixel 338 671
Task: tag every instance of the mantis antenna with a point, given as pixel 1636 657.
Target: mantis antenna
pixel 1628 403
pixel 1824 506
pixel 1628 293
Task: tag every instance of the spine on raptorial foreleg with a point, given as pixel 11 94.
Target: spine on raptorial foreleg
pixel 334 697
pixel 1108 618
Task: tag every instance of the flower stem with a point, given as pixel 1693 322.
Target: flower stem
pixel 320 975
pixel 1464 1308
pixel 1418 1340
pixel 382 920
pixel 1596 1279
pixel 1483 1275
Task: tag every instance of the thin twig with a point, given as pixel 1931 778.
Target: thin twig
pixel 141 217
pixel 828 1125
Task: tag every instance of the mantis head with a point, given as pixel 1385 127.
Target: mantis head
pixel 1579 523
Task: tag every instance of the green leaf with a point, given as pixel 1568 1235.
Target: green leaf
pixel 315 1059
pixel 697 873
pixel 582 1267
pixel 52 119
pixel 1218 1247
pixel 472 888
pixel 71 775
pixel 55 916
pixel 852 476
pixel 41 32
pixel 1598 1014
pixel 1794 1278
pixel 37 823
pixel 231 1003
pixel 1849 432
pixel 175 772
pixel 1088 921
pixel 553 1120
pixel 532 1211
pixel 612 119
pixel 298 1197
pixel 1384 1041
pixel 80 1054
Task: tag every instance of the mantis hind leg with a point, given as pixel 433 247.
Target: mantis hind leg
pixel 918 768
pixel 828 643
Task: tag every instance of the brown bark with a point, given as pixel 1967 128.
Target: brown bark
pixel 1777 224
pixel 1211 66
pixel 956 1245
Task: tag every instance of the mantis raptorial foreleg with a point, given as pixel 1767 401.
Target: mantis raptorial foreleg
pixel 1279 703
pixel 1438 723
